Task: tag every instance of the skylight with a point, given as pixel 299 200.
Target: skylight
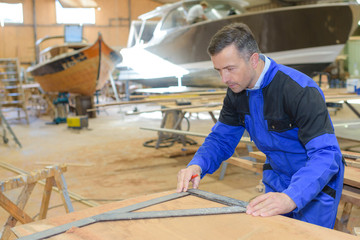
pixel 74 15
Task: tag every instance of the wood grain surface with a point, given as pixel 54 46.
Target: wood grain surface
pixel 227 226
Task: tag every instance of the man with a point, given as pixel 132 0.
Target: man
pixel 196 13
pixel 286 116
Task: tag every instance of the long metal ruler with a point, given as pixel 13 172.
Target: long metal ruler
pixel 126 213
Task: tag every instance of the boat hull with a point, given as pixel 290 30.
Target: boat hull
pixel 282 29
pixel 83 71
pixel 306 37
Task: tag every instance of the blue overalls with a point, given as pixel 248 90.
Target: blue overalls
pixel 288 121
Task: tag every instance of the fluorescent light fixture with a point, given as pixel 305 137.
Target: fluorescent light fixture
pixel 149 65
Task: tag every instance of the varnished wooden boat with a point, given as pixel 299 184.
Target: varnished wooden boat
pixel 75 68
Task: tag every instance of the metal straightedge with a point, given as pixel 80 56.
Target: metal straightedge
pixel 126 213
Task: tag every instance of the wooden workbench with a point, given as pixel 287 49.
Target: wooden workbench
pixel 225 226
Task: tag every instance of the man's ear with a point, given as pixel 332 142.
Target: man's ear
pixel 254 60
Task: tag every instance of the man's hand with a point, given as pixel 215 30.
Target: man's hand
pixel 185 176
pixel 270 204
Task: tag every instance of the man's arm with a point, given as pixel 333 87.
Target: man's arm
pixel 218 146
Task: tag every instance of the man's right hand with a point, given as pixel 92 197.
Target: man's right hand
pixel 185 176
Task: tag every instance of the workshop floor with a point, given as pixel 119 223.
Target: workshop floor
pixel 108 161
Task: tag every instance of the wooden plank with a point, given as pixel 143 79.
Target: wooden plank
pixel 352 176
pixel 339 98
pixel 32 177
pixel 247 164
pixel 351 197
pixel 160 99
pixel 258 155
pixel 46 197
pixel 352 155
pixel 14 210
pixel 136 102
pixel 188 133
pixel 352 163
pixel 21 202
pixel 233 226
pixel 345 216
pixel 73 195
pixel 68 164
pixel 199 108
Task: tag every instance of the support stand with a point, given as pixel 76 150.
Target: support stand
pixel 53 176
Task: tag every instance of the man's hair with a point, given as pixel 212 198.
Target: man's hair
pixel 238 34
pixel 204 3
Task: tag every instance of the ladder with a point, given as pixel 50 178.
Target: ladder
pixel 11 91
pixel 6 125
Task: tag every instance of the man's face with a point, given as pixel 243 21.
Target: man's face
pixel 236 72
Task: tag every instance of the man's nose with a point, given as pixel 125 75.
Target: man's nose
pixel 224 77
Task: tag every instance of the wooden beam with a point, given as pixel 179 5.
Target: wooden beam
pixel 247 164
pixel 188 133
pixel 351 197
pixel 14 210
pixel 32 177
pixel 352 163
pixel 163 98
pixel 20 203
pixel 178 108
pixel 67 164
pixel 73 195
pixel 46 197
pixel 352 155
pixel 258 155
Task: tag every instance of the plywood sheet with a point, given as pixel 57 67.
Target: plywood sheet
pixel 227 226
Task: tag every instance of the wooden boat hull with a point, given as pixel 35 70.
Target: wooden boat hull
pixel 83 71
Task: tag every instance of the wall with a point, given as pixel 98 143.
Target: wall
pixel 17 40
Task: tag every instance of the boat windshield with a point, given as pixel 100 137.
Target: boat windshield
pixel 141 32
pixel 216 10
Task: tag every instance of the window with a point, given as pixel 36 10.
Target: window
pixel 11 13
pixel 74 15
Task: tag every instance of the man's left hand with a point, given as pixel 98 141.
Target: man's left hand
pixel 270 204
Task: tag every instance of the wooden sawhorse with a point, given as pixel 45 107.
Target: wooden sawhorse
pixel 53 176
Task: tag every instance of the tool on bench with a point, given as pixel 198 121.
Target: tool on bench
pixel 126 213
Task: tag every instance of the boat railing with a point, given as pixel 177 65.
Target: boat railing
pixel 41 40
